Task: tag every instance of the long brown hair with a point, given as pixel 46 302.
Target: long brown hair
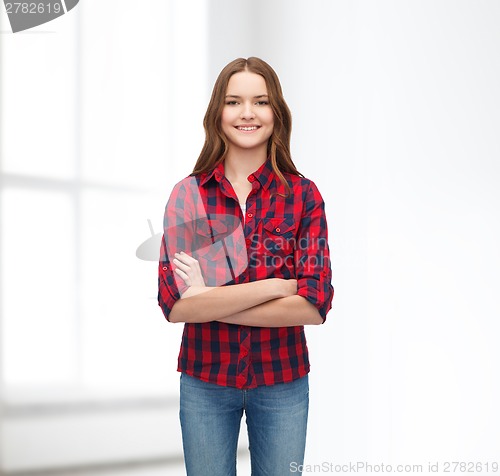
pixel 216 144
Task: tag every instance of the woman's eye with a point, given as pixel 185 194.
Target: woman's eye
pixel 231 103
pixel 263 103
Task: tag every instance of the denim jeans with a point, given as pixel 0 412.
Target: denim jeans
pixel 276 418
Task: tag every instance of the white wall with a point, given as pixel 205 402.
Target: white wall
pixel 395 107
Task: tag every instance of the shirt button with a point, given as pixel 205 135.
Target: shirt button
pixel 278 230
pixel 251 178
pixel 248 241
pixel 250 215
pixel 164 268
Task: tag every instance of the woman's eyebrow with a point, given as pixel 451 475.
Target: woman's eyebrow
pixel 239 97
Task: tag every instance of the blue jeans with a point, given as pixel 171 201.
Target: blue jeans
pixel 276 418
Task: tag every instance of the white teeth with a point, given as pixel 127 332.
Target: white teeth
pixel 253 128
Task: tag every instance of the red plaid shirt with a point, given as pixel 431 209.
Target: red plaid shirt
pixel 280 236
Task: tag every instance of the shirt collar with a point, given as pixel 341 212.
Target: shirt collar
pixel 264 174
pixel 217 173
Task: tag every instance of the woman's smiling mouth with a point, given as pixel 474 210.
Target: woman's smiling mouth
pixel 247 128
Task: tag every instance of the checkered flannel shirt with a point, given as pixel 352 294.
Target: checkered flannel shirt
pixel 280 235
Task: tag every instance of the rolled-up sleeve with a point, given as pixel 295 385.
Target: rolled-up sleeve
pixel 168 292
pixel 312 254
pixel 176 237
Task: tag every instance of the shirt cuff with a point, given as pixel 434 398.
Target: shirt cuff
pixel 318 291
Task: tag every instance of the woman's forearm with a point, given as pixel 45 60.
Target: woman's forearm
pixel 204 304
pixel 289 311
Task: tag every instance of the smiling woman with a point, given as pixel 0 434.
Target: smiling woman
pixel 246 332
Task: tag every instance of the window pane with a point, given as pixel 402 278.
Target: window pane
pixel 125 89
pixel 38 296
pixel 39 99
pixel 127 341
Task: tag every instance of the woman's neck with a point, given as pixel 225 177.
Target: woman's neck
pixel 238 165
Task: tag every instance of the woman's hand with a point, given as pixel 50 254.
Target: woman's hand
pixel 289 287
pixel 188 269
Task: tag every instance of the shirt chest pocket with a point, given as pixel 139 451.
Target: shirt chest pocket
pixel 278 236
pixel 208 240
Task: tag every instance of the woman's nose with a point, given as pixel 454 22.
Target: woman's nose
pixel 247 111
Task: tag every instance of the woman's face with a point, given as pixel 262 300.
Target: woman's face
pixel 247 117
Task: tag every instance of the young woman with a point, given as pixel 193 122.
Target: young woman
pixel 245 265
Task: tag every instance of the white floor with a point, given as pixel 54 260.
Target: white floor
pixel 149 470
pixel 177 470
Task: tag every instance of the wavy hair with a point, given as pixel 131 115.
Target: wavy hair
pixel 216 145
